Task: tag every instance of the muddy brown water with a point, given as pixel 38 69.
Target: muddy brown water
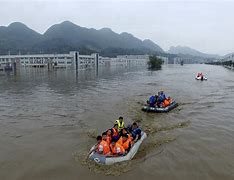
pixel 48 121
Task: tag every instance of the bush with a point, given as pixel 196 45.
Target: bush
pixel 154 62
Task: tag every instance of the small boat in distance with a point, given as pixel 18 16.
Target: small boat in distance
pixel 200 76
pixel 171 106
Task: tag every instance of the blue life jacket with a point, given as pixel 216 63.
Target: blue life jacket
pixel 152 100
pixel 161 97
pixel 136 132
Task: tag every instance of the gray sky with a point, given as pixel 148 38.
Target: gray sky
pixel 207 26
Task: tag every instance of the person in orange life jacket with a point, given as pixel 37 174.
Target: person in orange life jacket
pixel 125 131
pixel 166 102
pixel 115 133
pixel 116 148
pixel 109 134
pixel 125 142
pixel 103 146
pixel 99 139
pixel 104 136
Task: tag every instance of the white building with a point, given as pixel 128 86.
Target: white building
pixel 72 60
pixel 130 60
pixel 165 59
pixel 178 60
pixel 124 60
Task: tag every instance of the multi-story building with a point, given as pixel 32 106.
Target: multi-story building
pixel 71 60
pixel 130 60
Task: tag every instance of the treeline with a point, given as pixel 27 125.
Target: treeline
pixel 224 63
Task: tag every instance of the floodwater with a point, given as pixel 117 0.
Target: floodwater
pixel 49 120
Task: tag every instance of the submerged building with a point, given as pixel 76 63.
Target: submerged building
pixel 72 60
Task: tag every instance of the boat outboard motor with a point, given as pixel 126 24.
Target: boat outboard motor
pixel 201 78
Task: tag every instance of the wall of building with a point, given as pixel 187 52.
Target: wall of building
pixel 74 60
pixel 124 60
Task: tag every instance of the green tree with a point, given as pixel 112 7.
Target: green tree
pixel 154 63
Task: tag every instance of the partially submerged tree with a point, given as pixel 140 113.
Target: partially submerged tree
pixel 154 62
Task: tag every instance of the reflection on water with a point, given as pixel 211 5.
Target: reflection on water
pixel 52 118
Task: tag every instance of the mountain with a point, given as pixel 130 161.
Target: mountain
pixel 189 51
pixel 228 55
pixel 96 39
pixel 151 45
pixel 17 37
pixel 67 36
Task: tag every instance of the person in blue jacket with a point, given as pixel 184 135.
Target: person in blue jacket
pixel 135 132
pixel 161 97
pixel 152 101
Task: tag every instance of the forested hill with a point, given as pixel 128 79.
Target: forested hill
pixel 67 36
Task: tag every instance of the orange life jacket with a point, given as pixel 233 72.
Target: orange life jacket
pixel 108 139
pixel 103 147
pixel 130 138
pixel 124 144
pixel 115 132
pixel 120 141
pixel 117 148
pixel 166 103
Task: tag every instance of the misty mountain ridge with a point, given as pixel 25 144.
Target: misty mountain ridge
pixel 229 55
pixel 189 51
pixel 16 35
pixel 67 36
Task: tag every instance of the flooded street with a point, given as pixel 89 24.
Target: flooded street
pixel 49 120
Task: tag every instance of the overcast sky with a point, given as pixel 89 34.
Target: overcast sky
pixel 207 26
